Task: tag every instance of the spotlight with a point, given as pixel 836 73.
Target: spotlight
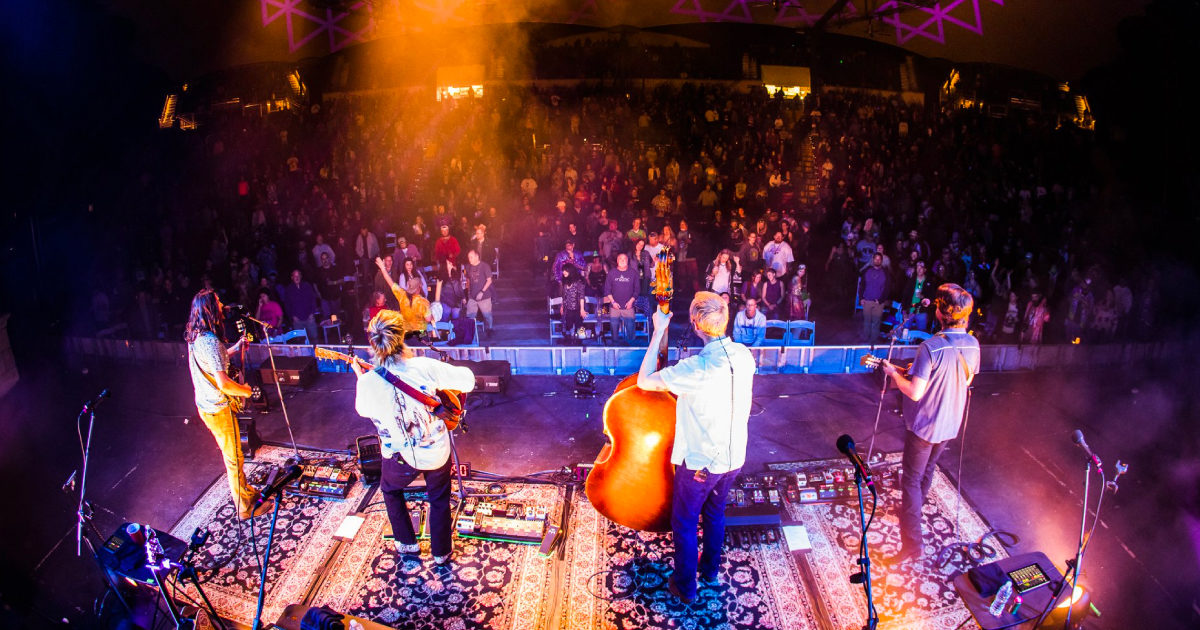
pixel 259 400
pixel 585 384
pixel 1081 607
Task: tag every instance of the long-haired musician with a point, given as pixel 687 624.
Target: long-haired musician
pixel 413 440
pixel 208 360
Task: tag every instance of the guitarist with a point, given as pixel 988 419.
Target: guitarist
pixel 413 440
pixel 711 416
pixel 937 382
pixel 208 360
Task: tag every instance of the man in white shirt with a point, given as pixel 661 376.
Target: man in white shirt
pixel 653 247
pixel 714 389
pixel 413 441
pixel 750 325
pixel 778 255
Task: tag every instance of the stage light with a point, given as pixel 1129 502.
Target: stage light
pixel 585 383
pixel 1081 608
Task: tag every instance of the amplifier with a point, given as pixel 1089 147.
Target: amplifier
pixel 370 458
pixel 300 371
pixel 491 377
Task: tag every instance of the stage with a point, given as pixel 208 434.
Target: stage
pixel 153 461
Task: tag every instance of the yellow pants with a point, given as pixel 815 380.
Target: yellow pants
pixel 224 429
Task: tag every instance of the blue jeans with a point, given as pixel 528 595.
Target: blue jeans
pixel 920 461
pixel 691 500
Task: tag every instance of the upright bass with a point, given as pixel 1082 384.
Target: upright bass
pixel 633 479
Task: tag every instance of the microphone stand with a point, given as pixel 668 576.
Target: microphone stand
pixel 883 388
pixel 87 448
pixel 262 579
pixel 1075 563
pixel 83 512
pixel 278 389
pixel 864 560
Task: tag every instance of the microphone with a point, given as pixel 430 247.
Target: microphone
pixel 91 404
pixel 845 444
pixel 69 484
pixel 1077 438
pixel 257 321
pixel 293 473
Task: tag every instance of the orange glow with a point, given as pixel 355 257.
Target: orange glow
pixel 1076 595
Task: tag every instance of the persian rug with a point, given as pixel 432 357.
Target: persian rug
pixel 912 596
pixel 303 539
pixel 615 577
pixel 487 584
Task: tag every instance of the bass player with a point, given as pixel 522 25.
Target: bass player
pixel 714 388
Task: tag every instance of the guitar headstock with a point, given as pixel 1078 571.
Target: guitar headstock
pixel 242 330
pixel 870 361
pixel 664 288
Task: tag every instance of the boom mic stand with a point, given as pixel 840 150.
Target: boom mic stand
pixel 278 389
pixel 83 512
pixel 883 388
pixel 1074 564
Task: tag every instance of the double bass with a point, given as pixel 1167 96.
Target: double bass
pixel 633 478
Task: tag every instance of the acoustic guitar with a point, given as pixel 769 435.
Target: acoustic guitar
pixel 633 478
pixel 874 363
pixel 448 405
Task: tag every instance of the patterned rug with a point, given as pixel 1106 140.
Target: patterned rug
pixel 616 578
pixel 487 584
pixel 303 538
pixel 915 596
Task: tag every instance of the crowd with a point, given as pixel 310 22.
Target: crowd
pixel 791 209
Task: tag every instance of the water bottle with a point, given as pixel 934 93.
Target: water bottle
pixel 1001 600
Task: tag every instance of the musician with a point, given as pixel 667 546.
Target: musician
pixel 937 382
pixel 412 439
pixel 208 360
pixel 714 389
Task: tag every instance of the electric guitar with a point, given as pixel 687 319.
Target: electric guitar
pixel 449 404
pixel 237 404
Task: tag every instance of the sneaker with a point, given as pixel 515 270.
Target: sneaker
pixel 408 550
pixel 678 595
pixel 442 560
pixel 711 580
pixel 264 508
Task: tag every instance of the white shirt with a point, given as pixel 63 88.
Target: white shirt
pixel 713 410
pixel 406 426
pixel 778 256
pixel 653 250
pixel 721 280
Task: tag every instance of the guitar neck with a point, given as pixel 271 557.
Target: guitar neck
pixel 322 353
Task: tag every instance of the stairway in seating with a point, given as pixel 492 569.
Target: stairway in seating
pixel 809 177
pixel 519 307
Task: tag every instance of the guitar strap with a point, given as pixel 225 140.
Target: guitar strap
pixel 420 396
pixel 966 368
